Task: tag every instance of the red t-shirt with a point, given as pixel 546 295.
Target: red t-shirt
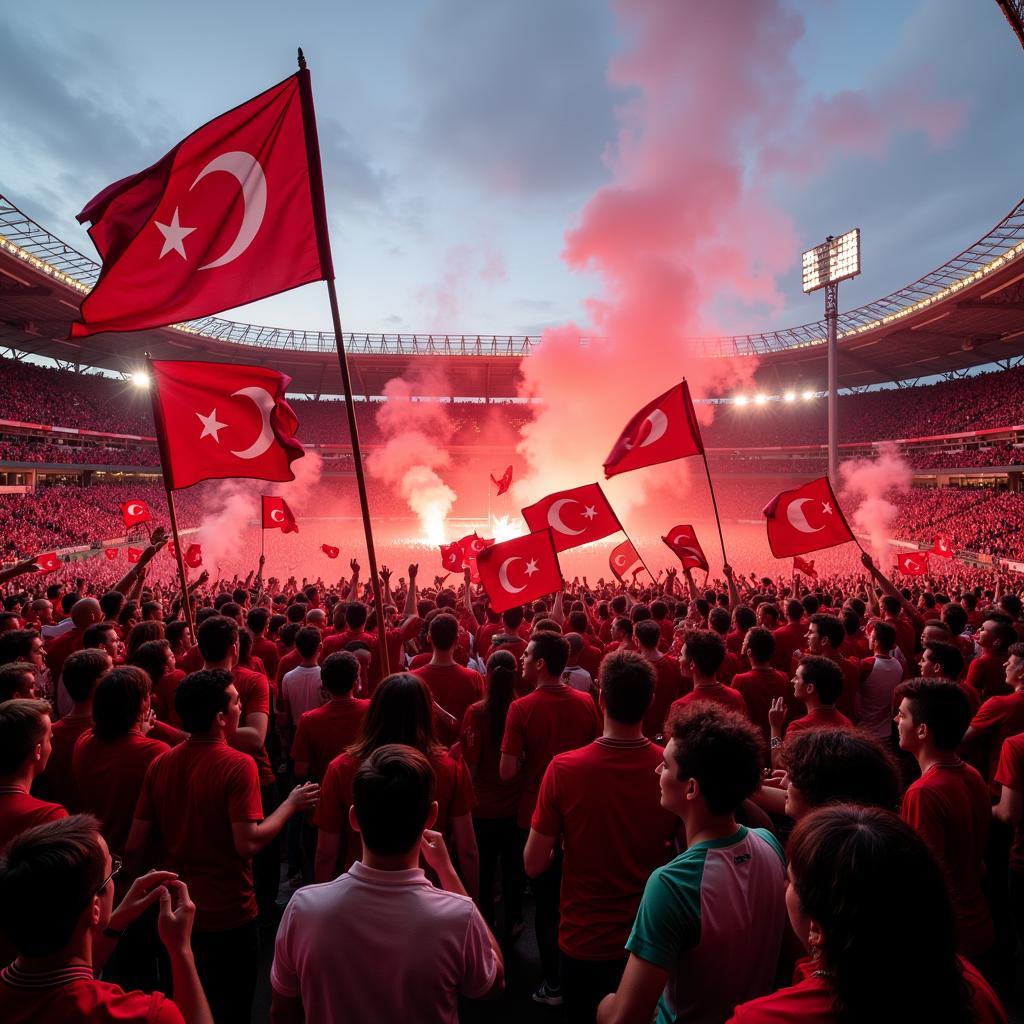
pixel 846 702
pixel 731 667
pixel 997 719
pixel 788 640
pixel 61 648
pixel 266 651
pixel 254 695
pixel 163 697
pixel 1010 773
pixel 190 661
pixel 57 779
pixel 72 994
pixel 819 718
pixel 452 686
pixel 758 688
pixel 482 753
pixel 604 801
pixel 323 733
pixel 590 658
pixel 667 685
pixel 454 796
pixel 108 778
pixel 987 674
pixel 19 812
pixel 542 724
pixel 720 694
pixel 812 1000
pixel 483 637
pixel 192 794
pixel 949 806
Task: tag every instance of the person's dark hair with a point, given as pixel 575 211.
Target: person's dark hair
pixel 240 595
pixel 1011 604
pixel 16 645
pixel 175 631
pixel 21 728
pixel 811 604
pixel 1004 632
pixel 143 632
pixel 151 610
pixel 955 616
pixel 257 619
pixel 275 624
pixel 885 636
pixel 706 649
pixel 722 750
pixel 829 628
pixel 151 657
pixel 659 610
pixel 638 613
pixel 392 792
pixel 618 604
pixel 200 697
pixel 500 692
pixel 546 625
pixel 12 679
pixel 67 602
pixel 824 675
pixel 760 644
pixel 339 672
pixel 627 686
pixel 939 704
pixel 48 876
pixel 553 649
pixel 512 618
pixel 841 766
pixel 118 702
pixel 307 640
pixel 771 611
pixel 1016 650
pixel 355 615
pixel 221 599
pixel 578 622
pixel 794 610
pixel 96 634
pixel 744 616
pixel 129 611
pixel 81 671
pixel 648 633
pixel 719 620
pixel 288 633
pixel 851 622
pixel 216 636
pixel 444 631
pixel 948 657
pixel 400 711
pixel 624 625
pixel 111 604
pixel 856 871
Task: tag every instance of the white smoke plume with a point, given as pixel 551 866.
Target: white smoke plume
pixel 871 482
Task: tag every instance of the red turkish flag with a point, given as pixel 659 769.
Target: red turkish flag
pixel 622 557
pixel 217 420
pixel 662 431
pixel 451 556
pixel 683 541
pixel 805 519
pixel 504 483
pixel 913 564
pixel 134 554
pixel 232 214
pixel 110 553
pixel 520 570
pixel 193 556
pixel 942 546
pixel 473 545
pixel 48 562
pixel 575 517
pixel 135 512
pixel 330 551
pixel 807 568
pixel 277 515
pixel 172 549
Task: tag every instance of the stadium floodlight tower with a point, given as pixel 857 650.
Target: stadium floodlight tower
pixel 824 266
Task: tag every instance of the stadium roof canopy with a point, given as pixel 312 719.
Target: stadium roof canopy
pixel 967 313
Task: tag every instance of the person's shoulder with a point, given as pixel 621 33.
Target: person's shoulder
pixel 769 839
pixel 581 757
pixel 342 764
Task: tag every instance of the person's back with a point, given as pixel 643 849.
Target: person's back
pixel 452 686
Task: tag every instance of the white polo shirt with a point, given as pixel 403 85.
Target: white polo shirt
pixel 381 946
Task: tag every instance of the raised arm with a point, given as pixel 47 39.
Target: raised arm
pixel 157 541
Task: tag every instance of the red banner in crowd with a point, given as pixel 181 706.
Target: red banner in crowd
pixel 330 550
pixel 805 566
pixel 520 570
pixel 277 515
pixel 48 562
pixel 942 546
pixel 622 557
pixel 913 564
pixel 135 512
pixel 575 517
pixel 110 553
pixel 134 554
pixel 683 541
pixel 451 556
pixel 805 519
pixel 504 483
pixel 193 556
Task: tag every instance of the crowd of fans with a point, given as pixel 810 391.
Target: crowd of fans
pixel 977 519
pixel 26 449
pixel 750 800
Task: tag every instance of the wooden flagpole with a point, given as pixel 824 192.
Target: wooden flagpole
pixel 327 263
pixel 714 504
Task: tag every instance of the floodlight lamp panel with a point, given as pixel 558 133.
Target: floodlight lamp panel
pixel 835 260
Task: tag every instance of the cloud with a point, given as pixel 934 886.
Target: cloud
pixel 464 268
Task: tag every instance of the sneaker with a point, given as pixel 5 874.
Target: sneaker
pixel 547 995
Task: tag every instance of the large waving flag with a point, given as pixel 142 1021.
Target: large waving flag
pixel 230 215
pixel 662 431
pixel 216 420
pixel 805 519
pixel 683 541
pixel 575 517
pixel 520 570
pixel 277 515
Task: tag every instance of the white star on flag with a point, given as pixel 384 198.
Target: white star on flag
pixel 531 567
pixel 211 426
pixel 589 512
pixel 826 508
pixel 174 236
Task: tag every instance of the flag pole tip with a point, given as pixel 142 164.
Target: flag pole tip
pixel 302 60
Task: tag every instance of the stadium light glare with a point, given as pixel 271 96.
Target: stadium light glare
pixel 140 379
pixel 835 260
pixel 741 400
pixel 808 396
pixel 760 399
pixel 789 396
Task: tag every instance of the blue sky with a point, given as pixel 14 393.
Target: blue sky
pixel 461 141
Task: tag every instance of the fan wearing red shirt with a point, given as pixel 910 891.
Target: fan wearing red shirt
pixel 942 660
pixel 720 621
pixel 825 636
pixel 82 671
pixel 790 637
pixel 668 680
pixel 323 733
pixel 987 672
pixel 56 908
pixel 592 653
pixel 949 804
pixel 871 907
pixel 201 804
pixel 1010 811
pixel 816 684
pixel 111 760
pixel 156 659
pixel 84 613
pixel 600 802
pixel 763 685
pixel 257 619
pixel 550 720
pixel 701 660
pixel 453 687
pixel 998 719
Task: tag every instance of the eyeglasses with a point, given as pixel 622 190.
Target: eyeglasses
pixel 115 866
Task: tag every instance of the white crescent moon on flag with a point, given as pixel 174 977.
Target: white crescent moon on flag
pixel 678 538
pixel 692 552
pixel 277 516
pixel 555 516
pixel 264 401
pixel 503 574
pixel 621 560
pixel 659 424
pixel 797 519
pixel 246 170
pixel 134 509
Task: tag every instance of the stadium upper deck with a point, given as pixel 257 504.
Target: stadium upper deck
pixel 966 313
